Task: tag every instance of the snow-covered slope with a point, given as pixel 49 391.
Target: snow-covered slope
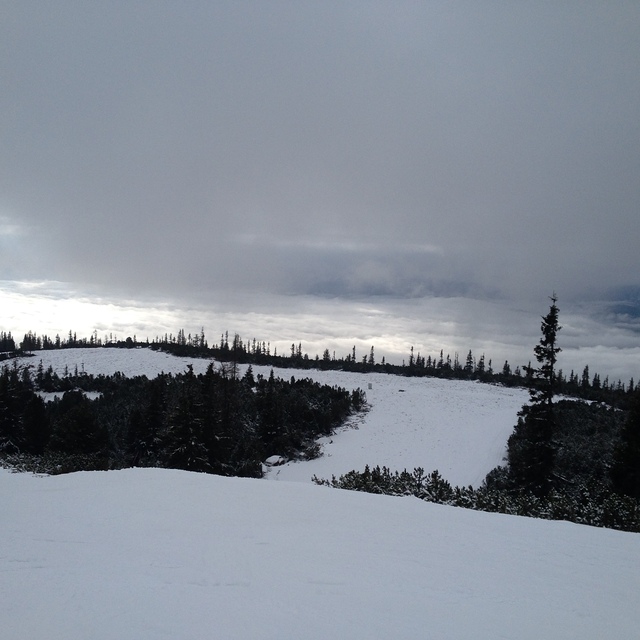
pixel 130 362
pixel 151 554
pixel 460 428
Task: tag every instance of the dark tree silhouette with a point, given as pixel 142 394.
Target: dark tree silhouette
pixel 530 447
pixel 625 472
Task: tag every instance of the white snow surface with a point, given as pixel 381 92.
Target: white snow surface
pixel 161 554
pixel 458 427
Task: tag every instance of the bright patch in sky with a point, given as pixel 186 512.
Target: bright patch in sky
pixel 390 325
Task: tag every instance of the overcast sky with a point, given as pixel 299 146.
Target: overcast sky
pixel 195 150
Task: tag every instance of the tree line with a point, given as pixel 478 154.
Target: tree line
pixel 235 350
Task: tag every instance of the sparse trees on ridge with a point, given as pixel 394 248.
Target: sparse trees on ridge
pixel 238 351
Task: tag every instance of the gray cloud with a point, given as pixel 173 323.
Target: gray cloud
pixel 483 150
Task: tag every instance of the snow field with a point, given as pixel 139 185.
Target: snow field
pixel 163 554
pixel 152 554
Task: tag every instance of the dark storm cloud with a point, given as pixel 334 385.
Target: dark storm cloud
pixel 478 149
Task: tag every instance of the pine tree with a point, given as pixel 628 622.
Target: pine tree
pixel 585 378
pixel 271 419
pixel 183 440
pixel 468 367
pixel 546 352
pixel 11 432
pixel 531 452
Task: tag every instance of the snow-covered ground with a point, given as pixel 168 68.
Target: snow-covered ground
pixel 130 362
pixel 151 554
pixel 458 427
pixel 157 554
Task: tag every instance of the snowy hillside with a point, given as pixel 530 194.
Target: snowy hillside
pixel 460 428
pixel 146 554
pixel 149 554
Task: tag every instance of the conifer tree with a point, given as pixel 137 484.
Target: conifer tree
pixel 530 449
pixel 546 352
pixel 468 367
pixel 183 439
pixel 585 378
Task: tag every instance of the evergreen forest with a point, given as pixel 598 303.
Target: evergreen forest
pixel 213 422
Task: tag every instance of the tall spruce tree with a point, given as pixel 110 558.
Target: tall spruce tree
pixel 543 385
pixel 530 449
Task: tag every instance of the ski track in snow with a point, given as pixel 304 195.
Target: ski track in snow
pixel 458 427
